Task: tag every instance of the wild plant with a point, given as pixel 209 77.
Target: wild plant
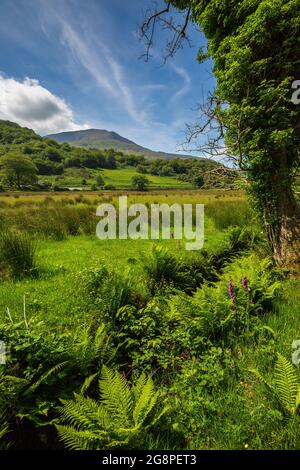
pixel 18 253
pixel 120 416
pixel 285 388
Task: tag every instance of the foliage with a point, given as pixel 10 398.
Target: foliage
pixel 286 387
pixel 38 365
pixel 17 253
pixel 18 170
pixel 195 322
pixel 61 163
pixel 120 418
pixel 140 183
pixel 107 289
pixel 4 429
pixel 250 113
pixel 164 268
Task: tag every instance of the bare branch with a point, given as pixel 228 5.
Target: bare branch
pixel 212 129
pixel 147 30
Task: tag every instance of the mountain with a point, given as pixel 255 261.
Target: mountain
pixel 103 139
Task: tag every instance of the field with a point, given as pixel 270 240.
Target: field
pixel 119 178
pixel 76 311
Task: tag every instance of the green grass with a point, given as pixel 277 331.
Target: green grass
pixel 54 294
pixel 122 179
pixel 216 403
pixel 119 178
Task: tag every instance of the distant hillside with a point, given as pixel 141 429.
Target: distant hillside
pixel 99 159
pixel 102 139
pixel 11 133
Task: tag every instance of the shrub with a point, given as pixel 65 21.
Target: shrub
pixel 41 368
pixel 18 253
pixel 107 290
pixel 165 269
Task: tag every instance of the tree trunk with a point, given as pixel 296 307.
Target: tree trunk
pixel 282 218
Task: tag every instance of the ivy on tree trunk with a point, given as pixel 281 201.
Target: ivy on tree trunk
pixel 255 46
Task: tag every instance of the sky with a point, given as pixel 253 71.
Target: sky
pixel 76 64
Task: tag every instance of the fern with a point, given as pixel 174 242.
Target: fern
pixel 287 385
pixel 118 418
pixel 286 388
pixel 3 425
pixel 51 372
pixel 89 348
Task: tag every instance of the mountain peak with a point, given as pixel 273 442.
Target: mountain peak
pixel 103 139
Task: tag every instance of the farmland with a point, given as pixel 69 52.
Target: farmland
pixel 119 178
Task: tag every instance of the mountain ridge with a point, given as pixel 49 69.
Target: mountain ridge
pixel 103 139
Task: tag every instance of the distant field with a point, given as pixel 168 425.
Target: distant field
pixel 119 178
pixel 64 259
pixel 180 195
pixel 122 179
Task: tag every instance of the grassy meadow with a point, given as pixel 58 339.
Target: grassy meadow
pixel 120 178
pixel 188 350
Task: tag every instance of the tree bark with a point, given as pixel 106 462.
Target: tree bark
pixel 282 218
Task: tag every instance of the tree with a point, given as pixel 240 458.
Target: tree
pixel 250 116
pixel 141 169
pixel 140 183
pixel 198 181
pixel 100 181
pixel 111 159
pixel 18 170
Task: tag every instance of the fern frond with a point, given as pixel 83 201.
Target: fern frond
pixel 79 416
pixel 77 440
pixel 15 380
pixel 298 399
pixel 53 371
pixel 286 389
pixel 87 383
pixel 115 395
pixel 145 402
pixel 3 425
pixel 286 381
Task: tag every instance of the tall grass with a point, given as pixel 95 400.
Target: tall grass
pixel 51 220
pixel 236 213
pixel 17 254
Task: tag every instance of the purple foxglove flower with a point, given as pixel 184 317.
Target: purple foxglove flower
pixel 245 282
pixel 231 290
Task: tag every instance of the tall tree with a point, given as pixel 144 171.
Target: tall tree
pixel 255 47
pixel 18 170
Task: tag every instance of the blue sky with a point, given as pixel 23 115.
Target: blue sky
pixel 72 64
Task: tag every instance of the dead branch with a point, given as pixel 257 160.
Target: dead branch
pixel 148 28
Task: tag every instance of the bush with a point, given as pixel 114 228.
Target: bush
pixel 40 370
pixel 107 290
pixel 165 269
pixel 17 253
pixel 140 183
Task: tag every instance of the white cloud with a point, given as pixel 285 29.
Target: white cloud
pixel 31 105
pixel 186 81
pixel 104 69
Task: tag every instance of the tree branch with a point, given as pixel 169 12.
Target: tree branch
pixel 147 30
